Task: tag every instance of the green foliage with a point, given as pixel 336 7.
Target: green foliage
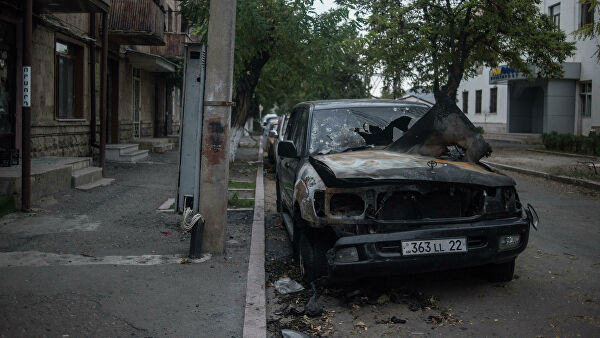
pixel 241 185
pixel 480 130
pixel 285 53
pixel 434 44
pixel 590 30
pixel 236 202
pixel 586 145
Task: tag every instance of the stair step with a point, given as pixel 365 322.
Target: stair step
pixel 133 156
pixel 85 176
pixel 162 147
pixel 99 183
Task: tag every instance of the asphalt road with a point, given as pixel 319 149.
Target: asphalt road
pixel 163 300
pixel 556 291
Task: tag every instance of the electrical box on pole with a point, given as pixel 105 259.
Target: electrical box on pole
pixel 190 135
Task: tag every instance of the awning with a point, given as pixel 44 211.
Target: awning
pixel 72 6
pixel 150 62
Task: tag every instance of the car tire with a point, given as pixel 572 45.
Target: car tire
pixel 312 257
pixel 502 272
pixel 278 194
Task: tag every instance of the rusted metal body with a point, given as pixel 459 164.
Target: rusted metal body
pixel 137 22
pixel 368 179
pixel 375 174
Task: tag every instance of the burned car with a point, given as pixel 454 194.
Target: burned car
pixel 355 206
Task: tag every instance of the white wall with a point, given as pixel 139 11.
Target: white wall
pixel 590 71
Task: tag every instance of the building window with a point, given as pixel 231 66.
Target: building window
pixel 478 101
pixel 555 14
pixel 465 99
pixel 169 20
pixel 184 24
pixel 68 81
pixel 586 98
pixel 493 100
pixel 587 13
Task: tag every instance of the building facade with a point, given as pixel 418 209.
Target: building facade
pixel 502 100
pixel 145 39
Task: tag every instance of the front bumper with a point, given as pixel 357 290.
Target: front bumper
pixel 378 256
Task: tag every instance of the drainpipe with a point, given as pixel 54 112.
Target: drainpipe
pixel 26 109
pixel 103 94
pixel 92 80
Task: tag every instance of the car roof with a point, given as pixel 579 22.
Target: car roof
pixel 356 103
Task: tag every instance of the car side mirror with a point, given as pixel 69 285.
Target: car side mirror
pixel 286 148
pixel 273 133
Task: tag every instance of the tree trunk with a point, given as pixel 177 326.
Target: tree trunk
pixel 245 102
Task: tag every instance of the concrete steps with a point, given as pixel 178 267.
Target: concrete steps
pixel 162 147
pixel 155 145
pixel 85 177
pixel 125 153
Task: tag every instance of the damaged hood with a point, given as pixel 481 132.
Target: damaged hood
pixel 390 165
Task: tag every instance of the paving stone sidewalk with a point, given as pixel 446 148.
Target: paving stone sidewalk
pixel 554 164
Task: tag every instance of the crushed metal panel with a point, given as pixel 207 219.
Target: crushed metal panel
pixel 440 128
pixel 190 138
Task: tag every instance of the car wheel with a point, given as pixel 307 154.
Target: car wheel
pixel 502 272
pixel 312 257
pixel 278 199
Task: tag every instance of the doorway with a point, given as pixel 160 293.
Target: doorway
pixel 112 104
pixel 8 77
pixel 526 110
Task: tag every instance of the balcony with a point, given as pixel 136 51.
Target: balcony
pixel 65 6
pixel 174 47
pixel 136 22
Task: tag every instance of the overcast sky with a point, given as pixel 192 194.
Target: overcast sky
pixel 323 5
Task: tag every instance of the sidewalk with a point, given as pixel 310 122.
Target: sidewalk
pixel 567 168
pixel 106 263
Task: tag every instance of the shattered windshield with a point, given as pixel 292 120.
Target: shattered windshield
pixel 345 129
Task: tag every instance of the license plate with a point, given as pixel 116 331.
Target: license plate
pixel 434 246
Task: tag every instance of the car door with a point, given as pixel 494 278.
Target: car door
pixel 288 167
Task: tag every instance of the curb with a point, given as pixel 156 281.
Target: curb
pixel 558 153
pixel 255 316
pixel 559 178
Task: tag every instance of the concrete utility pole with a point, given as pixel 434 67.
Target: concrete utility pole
pixel 214 172
pixel 26 109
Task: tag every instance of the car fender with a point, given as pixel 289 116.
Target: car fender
pixel 307 182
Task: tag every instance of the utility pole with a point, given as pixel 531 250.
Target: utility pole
pixel 26 109
pixel 214 172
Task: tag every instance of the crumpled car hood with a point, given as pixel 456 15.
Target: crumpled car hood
pixel 391 165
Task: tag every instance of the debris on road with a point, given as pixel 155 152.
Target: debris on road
pixel 287 285
pixel 293 334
